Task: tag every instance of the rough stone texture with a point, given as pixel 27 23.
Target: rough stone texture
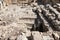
pixel 15 20
pixel 30 22
pixel 50 1
pixel 36 35
pixel 47 36
pixel 56 35
pixel 9 2
pixel 22 37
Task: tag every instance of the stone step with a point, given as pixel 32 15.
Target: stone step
pixel 26 21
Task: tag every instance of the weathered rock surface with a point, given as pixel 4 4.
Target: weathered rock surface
pixel 36 35
pixel 15 20
pixel 39 20
pixel 22 37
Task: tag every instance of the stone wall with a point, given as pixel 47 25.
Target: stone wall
pixel 8 2
pixel 50 1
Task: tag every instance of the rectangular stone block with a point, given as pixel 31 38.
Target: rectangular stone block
pixel 36 35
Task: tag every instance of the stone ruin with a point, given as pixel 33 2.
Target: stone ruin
pixel 30 20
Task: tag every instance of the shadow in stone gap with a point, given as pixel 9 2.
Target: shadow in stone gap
pixel 50 21
pixel 38 25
